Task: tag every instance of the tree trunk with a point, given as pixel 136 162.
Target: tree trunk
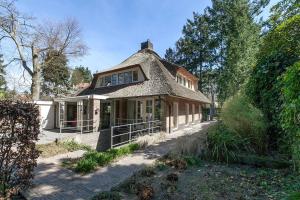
pixel 212 105
pixel 36 75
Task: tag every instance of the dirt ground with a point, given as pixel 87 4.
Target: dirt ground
pixel 207 180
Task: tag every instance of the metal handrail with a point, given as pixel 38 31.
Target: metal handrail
pixel 151 126
pixel 81 126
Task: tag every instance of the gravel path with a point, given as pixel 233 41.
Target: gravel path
pixel 55 182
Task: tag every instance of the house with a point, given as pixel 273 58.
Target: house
pixel 142 89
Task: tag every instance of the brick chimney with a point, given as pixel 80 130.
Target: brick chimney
pixel 147 45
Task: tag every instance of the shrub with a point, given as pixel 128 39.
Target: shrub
pixel 93 158
pixel 19 129
pixel 74 146
pixel 290 115
pixel 191 145
pixel 86 165
pixel 294 196
pixel 246 121
pixel 280 49
pixel 223 145
pixel 192 160
pixel 107 196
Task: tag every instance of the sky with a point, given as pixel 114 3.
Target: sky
pixel 114 29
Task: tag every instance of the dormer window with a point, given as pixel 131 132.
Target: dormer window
pixel 128 77
pixel 114 79
pixel 184 81
pixel 135 76
pixel 118 79
pixel 121 78
pixel 107 81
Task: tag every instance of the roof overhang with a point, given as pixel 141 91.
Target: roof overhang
pixel 83 97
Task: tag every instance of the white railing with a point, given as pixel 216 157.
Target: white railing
pixel 123 134
pixel 122 121
pixel 79 125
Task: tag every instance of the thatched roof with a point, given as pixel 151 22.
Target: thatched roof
pixel 160 79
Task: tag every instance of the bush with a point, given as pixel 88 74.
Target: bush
pixel 74 146
pixel 107 196
pixel 224 145
pixel 280 49
pixel 86 165
pixel 93 158
pixel 246 121
pixel 19 129
pixel 290 115
pixel 193 161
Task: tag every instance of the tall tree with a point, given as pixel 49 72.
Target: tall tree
pixel 81 75
pixel 238 38
pixel 36 40
pixel 281 11
pixel 193 48
pixel 220 45
pixel 55 74
pixel 2 77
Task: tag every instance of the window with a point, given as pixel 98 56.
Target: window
pixel 121 78
pixel 117 79
pixel 100 82
pixel 157 109
pixel 184 81
pixel 148 109
pixel 189 84
pixel 135 76
pixel 114 79
pixel 180 80
pixel 149 106
pixel 139 109
pixel 107 81
pixel 127 77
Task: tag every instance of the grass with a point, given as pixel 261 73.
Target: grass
pixel 93 159
pixel 52 149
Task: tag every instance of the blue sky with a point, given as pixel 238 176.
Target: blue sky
pixel 114 29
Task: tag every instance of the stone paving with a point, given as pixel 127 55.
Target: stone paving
pixel 55 182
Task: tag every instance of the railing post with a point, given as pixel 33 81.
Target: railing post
pixel 60 124
pixel 129 133
pixel 152 127
pixel 111 137
pixel 81 128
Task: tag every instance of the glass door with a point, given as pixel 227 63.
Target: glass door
pixel 105 112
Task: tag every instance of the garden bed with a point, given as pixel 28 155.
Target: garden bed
pixel 91 160
pixel 56 148
pixel 196 179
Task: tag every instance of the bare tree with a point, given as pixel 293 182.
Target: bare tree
pixel 33 41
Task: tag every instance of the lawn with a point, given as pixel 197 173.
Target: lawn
pixel 190 178
pixel 55 148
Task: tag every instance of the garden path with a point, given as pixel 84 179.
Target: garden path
pixel 52 181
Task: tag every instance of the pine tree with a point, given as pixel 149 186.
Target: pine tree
pixel 55 74
pixel 239 42
pixel 81 75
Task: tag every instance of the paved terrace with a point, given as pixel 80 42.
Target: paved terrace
pixel 55 182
